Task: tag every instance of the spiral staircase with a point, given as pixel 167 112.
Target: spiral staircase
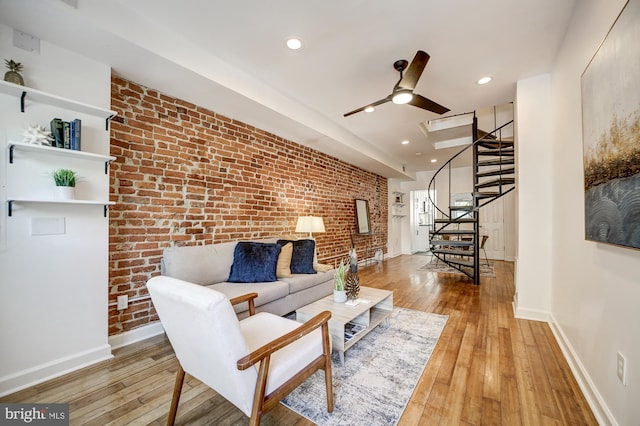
pixel 454 236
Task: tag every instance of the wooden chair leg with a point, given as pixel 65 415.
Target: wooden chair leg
pixel 258 398
pixel 328 379
pixel 177 389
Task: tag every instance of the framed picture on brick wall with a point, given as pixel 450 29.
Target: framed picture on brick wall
pixel 363 223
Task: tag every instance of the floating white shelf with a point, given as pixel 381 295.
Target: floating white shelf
pixel 28 147
pixel 29 94
pixel 104 203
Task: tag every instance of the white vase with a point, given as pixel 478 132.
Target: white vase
pixel 339 296
pixel 65 193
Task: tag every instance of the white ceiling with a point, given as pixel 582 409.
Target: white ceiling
pixel 230 56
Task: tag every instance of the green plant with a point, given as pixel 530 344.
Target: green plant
pixel 65 177
pixel 339 279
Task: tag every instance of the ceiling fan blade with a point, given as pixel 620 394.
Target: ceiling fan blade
pixel 428 104
pixel 373 104
pixel 413 73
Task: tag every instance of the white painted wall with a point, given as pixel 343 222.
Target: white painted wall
pixel 53 288
pixel 533 171
pixel 595 298
pixel 490 118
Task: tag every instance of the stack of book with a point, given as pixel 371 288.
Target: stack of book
pixel 351 329
pixel 66 134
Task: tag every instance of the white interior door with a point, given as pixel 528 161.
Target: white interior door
pixel 422 219
pixel 492 224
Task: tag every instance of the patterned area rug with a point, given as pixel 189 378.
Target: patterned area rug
pixel 379 376
pixel 485 270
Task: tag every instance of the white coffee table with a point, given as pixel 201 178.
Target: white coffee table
pixel 366 315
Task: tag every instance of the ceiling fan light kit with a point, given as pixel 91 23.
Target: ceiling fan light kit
pixel 402 92
pixel 402 97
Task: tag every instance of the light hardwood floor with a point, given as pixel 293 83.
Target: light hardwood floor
pixel 487 368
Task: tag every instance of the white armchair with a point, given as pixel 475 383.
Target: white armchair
pixel 253 363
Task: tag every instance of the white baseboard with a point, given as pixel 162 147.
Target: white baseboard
pixel 531 314
pixel 50 370
pixel 136 335
pixel 594 399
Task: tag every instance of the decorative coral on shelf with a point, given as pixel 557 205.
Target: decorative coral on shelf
pixel 37 135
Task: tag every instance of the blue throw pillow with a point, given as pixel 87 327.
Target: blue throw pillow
pixel 254 262
pixel 302 257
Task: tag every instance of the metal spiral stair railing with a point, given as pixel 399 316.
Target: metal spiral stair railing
pixel 493 168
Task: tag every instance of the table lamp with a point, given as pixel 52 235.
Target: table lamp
pixel 310 224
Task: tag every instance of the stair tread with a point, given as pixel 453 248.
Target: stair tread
pixel 497 172
pixel 453 252
pixel 465 220
pixel 451 243
pixel 497 153
pixel 453 232
pixel 496 162
pixel 486 194
pixel 461 208
pixel 496 182
pixel 494 143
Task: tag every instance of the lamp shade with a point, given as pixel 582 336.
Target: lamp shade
pixel 310 224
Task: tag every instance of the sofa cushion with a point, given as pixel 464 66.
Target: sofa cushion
pixel 302 257
pixel 283 267
pixel 299 282
pixel 322 267
pixel 254 262
pixel 267 292
pixel 208 264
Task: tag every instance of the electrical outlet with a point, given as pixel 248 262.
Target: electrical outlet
pixel 622 369
pixel 123 302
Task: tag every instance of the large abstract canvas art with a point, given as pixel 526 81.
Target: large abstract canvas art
pixel 611 134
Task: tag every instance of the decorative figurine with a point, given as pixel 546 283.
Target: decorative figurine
pixel 13 75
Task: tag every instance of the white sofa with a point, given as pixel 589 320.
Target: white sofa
pixel 210 265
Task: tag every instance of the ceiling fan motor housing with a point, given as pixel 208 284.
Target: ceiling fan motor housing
pixel 402 92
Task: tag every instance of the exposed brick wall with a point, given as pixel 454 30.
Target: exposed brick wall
pixel 188 176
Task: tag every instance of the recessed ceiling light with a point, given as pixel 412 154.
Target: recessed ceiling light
pixel 434 160
pixel 405 142
pixel 294 43
pixel 484 80
pixel 369 109
pixel 418 154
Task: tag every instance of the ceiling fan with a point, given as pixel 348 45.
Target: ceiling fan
pixel 403 90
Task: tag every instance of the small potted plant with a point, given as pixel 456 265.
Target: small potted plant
pixel 339 291
pixel 65 180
